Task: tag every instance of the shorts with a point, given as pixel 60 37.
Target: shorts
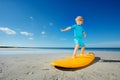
pixel 79 41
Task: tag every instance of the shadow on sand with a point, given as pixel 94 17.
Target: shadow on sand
pixel 103 60
pixel 74 69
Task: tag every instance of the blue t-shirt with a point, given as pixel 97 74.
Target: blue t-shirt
pixel 78 30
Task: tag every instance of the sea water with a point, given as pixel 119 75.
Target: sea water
pixel 48 50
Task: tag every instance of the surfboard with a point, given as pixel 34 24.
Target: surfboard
pixel 81 60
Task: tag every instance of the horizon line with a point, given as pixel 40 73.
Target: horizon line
pixel 53 47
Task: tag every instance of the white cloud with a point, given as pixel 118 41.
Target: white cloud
pixel 26 33
pixel 51 24
pixel 7 30
pixel 30 38
pixel 31 17
pixel 43 32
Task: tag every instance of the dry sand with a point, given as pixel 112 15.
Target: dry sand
pixel 37 67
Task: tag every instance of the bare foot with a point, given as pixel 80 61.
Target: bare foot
pixel 74 56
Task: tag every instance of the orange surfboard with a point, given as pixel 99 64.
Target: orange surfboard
pixel 77 62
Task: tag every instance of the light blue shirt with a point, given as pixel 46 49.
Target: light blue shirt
pixel 78 30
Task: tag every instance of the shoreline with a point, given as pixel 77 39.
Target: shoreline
pixel 14 51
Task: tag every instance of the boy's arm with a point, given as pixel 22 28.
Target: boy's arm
pixel 84 33
pixel 66 29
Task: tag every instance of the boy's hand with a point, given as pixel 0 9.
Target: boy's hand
pixel 62 30
pixel 66 29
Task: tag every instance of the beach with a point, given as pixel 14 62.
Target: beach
pixel 106 66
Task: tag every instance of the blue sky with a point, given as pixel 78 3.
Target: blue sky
pixel 37 23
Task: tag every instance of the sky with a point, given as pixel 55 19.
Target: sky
pixel 37 23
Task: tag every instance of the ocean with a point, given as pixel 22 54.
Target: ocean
pixel 51 50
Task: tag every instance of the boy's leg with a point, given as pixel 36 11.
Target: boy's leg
pixel 75 50
pixel 82 50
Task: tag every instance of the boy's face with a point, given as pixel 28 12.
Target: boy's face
pixel 79 22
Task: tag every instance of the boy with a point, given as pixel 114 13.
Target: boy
pixel 78 33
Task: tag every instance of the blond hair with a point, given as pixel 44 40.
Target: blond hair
pixel 79 18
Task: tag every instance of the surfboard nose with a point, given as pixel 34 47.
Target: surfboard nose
pixel 52 63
